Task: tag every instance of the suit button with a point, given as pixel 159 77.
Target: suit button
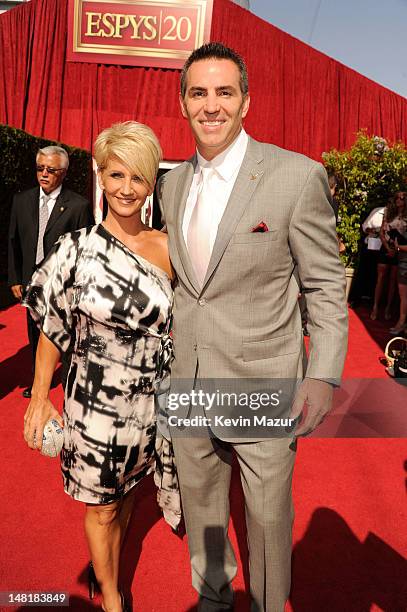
pixel 202 302
pixel 195 347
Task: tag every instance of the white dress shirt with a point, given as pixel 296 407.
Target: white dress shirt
pixel 374 220
pixel 226 165
pixel 52 199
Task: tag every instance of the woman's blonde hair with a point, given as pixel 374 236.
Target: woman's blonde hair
pixel 134 144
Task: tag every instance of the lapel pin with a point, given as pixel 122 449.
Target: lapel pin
pixel 254 175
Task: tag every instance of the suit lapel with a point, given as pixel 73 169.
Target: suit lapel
pixel 181 196
pixel 59 209
pixel 245 185
pixel 34 212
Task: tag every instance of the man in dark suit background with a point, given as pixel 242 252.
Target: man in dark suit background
pixel 39 216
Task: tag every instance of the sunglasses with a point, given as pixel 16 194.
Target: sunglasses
pixel 49 170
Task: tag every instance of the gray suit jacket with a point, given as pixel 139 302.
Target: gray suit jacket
pixel 245 321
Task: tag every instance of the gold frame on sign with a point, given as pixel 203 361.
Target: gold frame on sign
pixel 79 47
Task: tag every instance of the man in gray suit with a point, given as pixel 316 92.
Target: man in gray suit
pixel 247 222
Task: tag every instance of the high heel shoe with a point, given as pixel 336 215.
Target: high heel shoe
pixel 396 331
pixel 93 585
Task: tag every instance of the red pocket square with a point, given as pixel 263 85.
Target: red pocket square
pixel 261 227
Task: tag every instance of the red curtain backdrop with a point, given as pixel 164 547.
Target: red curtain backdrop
pixel 301 99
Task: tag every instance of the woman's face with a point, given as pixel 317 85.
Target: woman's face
pixel 400 200
pixel 125 192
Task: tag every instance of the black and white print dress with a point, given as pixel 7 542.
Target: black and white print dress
pixel 109 308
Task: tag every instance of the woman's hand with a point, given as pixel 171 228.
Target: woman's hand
pixel 17 291
pixel 371 231
pixel 39 411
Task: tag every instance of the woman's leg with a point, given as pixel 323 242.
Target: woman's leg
pixel 391 290
pixel 102 528
pixel 403 307
pixel 381 275
pixel 101 525
pixel 126 509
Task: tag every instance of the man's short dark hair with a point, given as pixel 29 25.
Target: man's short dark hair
pixel 216 50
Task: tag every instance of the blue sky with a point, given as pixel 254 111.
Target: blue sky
pixel 367 35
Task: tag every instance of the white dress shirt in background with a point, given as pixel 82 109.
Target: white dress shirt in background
pixel 52 199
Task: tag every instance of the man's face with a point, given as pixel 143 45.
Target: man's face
pixel 46 177
pixel 214 104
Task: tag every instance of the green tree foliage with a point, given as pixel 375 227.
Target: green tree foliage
pixel 17 173
pixel 368 174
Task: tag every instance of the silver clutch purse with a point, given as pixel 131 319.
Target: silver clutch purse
pixel 52 439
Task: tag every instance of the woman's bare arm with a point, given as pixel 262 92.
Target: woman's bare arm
pixel 40 409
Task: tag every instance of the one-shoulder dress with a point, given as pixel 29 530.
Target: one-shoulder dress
pixel 110 309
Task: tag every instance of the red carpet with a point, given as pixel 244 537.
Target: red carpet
pixel 350 526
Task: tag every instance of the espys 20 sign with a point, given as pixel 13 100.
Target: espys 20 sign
pixel 151 33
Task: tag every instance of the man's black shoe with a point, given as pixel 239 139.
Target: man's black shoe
pixel 27 392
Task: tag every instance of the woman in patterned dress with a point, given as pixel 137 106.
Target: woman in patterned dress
pixel 105 294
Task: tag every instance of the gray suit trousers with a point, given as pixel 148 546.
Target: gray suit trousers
pixel 204 467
